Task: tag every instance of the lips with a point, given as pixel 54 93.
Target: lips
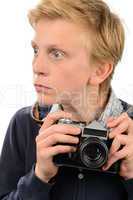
pixel 41 88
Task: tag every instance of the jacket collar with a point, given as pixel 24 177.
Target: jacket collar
pixel 113 108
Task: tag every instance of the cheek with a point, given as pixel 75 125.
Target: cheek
pixel 72 81
pixel 71 76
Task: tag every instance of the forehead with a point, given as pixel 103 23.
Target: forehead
pixel 60 31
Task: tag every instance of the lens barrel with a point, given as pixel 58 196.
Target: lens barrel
pixel 93 152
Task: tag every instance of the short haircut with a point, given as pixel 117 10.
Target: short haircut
pixel 108 33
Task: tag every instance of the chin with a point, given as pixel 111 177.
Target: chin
pixel 46 99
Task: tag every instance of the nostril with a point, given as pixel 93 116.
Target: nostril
pixel 37 74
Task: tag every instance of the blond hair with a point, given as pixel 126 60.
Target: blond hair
pixel 108 32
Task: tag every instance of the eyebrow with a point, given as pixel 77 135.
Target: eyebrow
pixel 49 47
pixel 33 43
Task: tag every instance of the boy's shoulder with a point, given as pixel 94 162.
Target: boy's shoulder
pixel 23 112
pixel 21 115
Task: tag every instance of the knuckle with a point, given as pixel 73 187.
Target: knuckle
pixel 41 154
pixel 40 133
pixel 36 139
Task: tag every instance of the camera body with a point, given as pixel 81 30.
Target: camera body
pixel 92 150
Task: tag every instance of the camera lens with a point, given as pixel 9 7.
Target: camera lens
pixel 93 152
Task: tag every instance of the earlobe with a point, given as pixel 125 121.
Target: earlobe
pixel 101 73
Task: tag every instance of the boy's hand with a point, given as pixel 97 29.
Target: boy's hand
pixel 122 133
pixel 49 143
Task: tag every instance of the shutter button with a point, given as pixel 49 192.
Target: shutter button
pixel 80 175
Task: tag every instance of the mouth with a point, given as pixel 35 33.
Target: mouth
pixel 41 88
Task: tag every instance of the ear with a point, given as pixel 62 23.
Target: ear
pixel 101 73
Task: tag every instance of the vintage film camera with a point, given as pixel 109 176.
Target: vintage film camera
pixel 92 150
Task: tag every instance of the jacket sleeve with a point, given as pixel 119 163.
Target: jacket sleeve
pixel 128 184
pixel 14 183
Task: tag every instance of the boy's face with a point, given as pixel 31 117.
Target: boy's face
pixel 61 64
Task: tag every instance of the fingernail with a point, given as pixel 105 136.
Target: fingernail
pixel 111 134
pixel 78 130
pixel 74 149
pixel 105 167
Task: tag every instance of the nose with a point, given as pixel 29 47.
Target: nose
pixel 40 65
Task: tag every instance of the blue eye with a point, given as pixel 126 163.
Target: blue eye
pixel 35 49
pixel 57 54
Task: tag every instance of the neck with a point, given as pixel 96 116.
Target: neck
pixel 88 110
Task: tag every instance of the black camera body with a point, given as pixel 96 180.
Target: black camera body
pixel 92 150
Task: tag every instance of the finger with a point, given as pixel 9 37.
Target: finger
pixel 60 128
pixel 115 157
pixel 110 119
pixel 117 120
pixel 53 117
pixel 115 146
pixel 58 138
pixel 59 149
pixel 119 141
pixel 121 128
pixel 123 139
pixel 130 128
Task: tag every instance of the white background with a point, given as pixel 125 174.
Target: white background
pixel 16 90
